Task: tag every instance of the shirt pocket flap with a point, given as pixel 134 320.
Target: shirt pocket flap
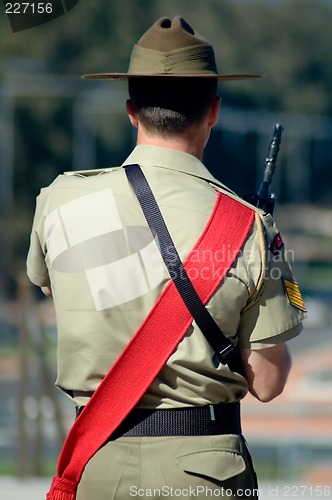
pixel 216 464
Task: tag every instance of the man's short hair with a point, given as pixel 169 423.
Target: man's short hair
pixel 169 106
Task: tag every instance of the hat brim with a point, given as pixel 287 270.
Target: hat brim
pixel 126 76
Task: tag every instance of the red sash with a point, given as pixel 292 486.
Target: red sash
pixel 153 343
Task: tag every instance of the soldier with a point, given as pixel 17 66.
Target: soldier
pixel 92 250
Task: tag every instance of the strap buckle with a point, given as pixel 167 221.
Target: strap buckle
pixel 226 354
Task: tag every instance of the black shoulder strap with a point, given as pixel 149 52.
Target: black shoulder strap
pixel 226 352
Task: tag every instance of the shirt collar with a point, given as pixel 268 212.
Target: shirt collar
pixel 171 159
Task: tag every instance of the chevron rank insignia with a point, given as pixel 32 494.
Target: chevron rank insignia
pixel 294 295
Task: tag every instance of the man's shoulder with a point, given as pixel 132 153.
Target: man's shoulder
pixel 89 173
pixel 73 177
pixel 221 188
pixel 264 222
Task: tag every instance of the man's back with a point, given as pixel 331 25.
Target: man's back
pixel 106 271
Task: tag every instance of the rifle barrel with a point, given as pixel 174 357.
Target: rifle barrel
pixel 270 165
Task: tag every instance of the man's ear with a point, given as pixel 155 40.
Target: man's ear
pixel 131 113
pixel 214 111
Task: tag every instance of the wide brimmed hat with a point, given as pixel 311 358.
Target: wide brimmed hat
pixel 172 48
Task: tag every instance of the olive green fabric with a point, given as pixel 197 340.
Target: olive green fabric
pixel 190 467
pixel 171 47
pixel 91 240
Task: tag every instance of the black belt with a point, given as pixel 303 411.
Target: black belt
pixel 207 420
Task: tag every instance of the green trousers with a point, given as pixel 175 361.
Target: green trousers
pixel 170 467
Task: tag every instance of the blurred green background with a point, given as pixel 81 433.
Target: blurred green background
pixel 52 121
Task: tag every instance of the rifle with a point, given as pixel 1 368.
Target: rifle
pixel 263 198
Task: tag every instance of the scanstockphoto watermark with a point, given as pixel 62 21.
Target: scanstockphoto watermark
pixel 206 265
pixel 192 492
pixel 273 491
pixel 26 15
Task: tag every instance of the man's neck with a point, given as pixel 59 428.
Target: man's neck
pixel 184 144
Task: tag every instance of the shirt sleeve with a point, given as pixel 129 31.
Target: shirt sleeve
pixel 36 265
pixel 275 312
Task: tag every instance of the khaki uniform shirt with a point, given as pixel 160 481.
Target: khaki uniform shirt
pixel 91 242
